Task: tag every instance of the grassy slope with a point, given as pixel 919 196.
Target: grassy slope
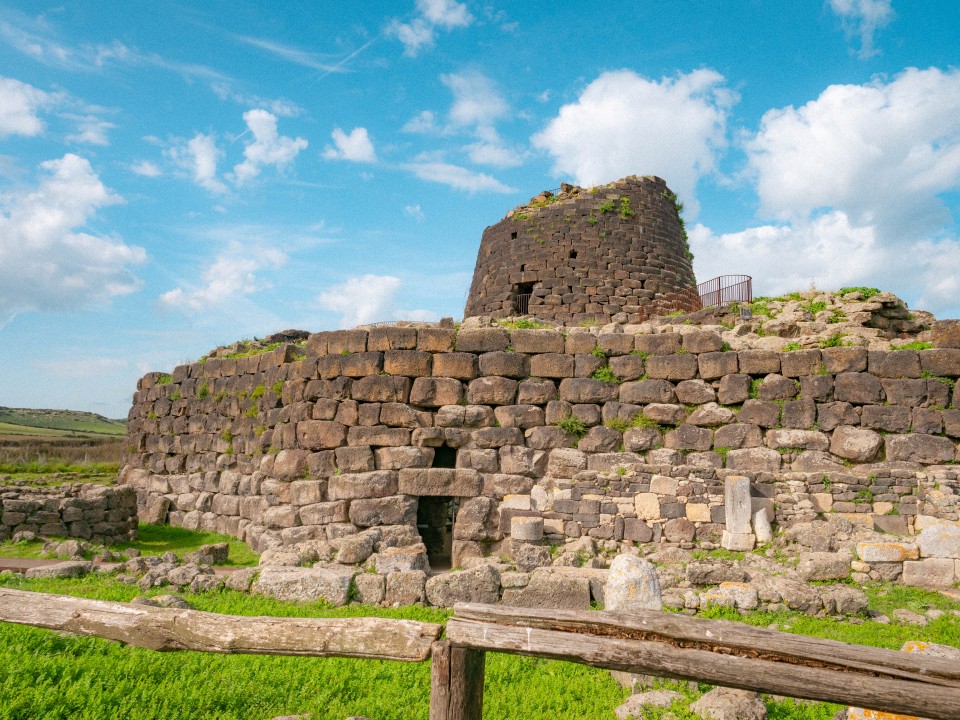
pixel 25 421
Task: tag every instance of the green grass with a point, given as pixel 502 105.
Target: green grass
pixel 915 345
pixel 50 675
pixel 865 292
pixel 66 421
pixel 154 540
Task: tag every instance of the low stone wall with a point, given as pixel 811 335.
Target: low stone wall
pixel 98 513
pixel 615 436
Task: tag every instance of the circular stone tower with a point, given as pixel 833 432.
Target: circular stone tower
pixel 612 253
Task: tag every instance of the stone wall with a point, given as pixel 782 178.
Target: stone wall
pixel 296 445
pixel 615 436
pixel 99 513
pixel 612 252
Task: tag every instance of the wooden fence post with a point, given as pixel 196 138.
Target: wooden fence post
pixel 456 682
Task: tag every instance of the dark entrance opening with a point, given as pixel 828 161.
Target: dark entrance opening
pixel 444 457
pixel 435 525
pixel 573 254
pixel 521 297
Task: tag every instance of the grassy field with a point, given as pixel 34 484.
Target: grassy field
pixel 26 421
pixel 51 675
pixel 153 540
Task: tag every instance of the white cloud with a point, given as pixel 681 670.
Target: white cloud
pixel 414 211
pixel 267 148
pixel 457 177
pixel 47 261
pixel 281 107
pixel 290 53
pixel 356 147
pixel 445 13
pixel 19 105
pixel 863 18
pixel 420 33
pixel 476 99
pixel 415 35
pixel 879 152
pixel 199 157
pixel 368 298
pixel 494 153
pixel 231 275
pixel 91 130
pixel 146 169
pixel 625 124
pixel 421 123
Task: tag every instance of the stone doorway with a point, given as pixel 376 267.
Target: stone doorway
pixel 435 516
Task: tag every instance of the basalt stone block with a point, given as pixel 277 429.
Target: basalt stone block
pixel 565 462
pixel 586 390
pixel 580 342
pixel 586 364
pixel 355 459
pixel 536 392
pixel 601 439
pixel 927 421
pixel 615 343
pixel 378 436
pixel 521 416
pixel 672 367
pixel 436 340
pixel 889 418
pixel 778 387
pixel 912 393
pixel 689 437
pixel 348 486
pixel 459 365
pixel 942 362
pixel 436 391
pixel 951 423
pixel 393 510
pixel 701 341
pixel 799 414
pixel 361 364
pixel 548 437
pixel 483 340
pixel 492 391
pixel 737 435
pixel 412 363
pixel 816 387
pixel 860 388
pixel 665 413
pixel 552 365
pixel 298 584
pixel 734 388
pixel 755 459
pixel 857 444
pixel 661 344
pixel 320 434
pixel 397 458
pixel 537 341
pixel 494 437
pixel 800 362
pixel 924 449
pixel 459 482
pixel 499 485
pixel 791 438
pixel 894 363
pixel 324 513
pixel 758 362
pixel 715 365
pixel 381 388
pixel 392 338
pixel 506 364
pixel 695 392
pixel 401 415
pixel 627 367
pixel 764 413
pixel 710 415
pixel 643 392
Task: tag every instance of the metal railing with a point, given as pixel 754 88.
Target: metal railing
pixel 521 303
pixel 725 289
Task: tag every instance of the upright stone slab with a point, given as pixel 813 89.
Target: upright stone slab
pixel 632 584
pixel 737 514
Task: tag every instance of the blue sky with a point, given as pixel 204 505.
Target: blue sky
pixel 176 176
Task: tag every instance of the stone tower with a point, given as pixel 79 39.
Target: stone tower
pixel 616 252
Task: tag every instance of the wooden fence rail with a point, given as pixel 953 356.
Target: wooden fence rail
pixel 168 629
pixel 714 651
pixel 648 642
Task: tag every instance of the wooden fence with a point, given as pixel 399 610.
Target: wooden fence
pixel 648 642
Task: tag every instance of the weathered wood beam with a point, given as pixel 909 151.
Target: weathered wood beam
pixel 717 652
pixel 456 683
pixel 168 629
pixel 724 636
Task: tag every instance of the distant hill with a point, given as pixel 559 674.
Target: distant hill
pixel 57 423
